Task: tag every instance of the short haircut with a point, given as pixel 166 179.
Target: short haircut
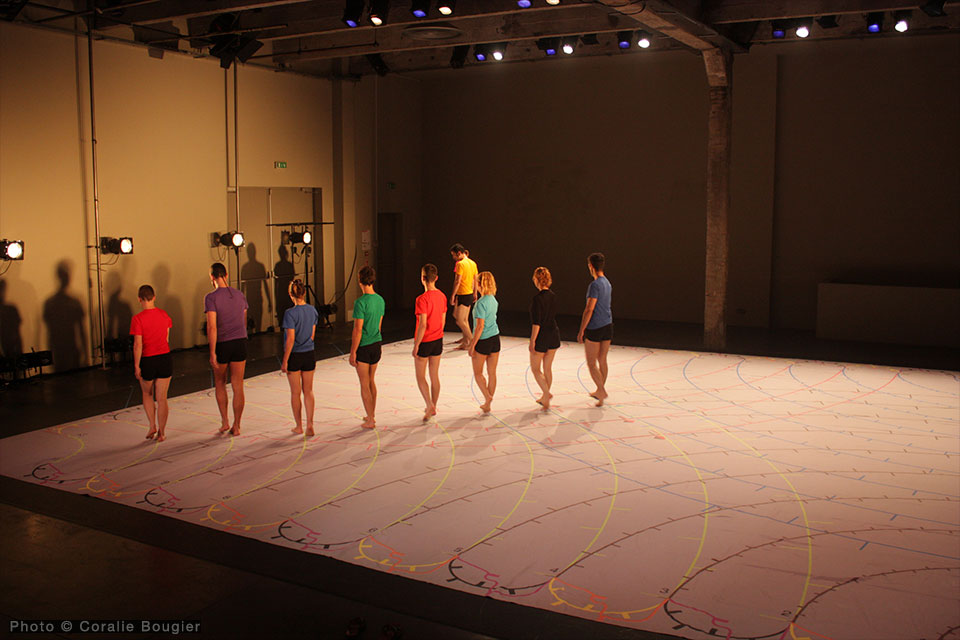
pixel 542 277
pixel 429 272
pixel 488 285
pixel 368 275
pixel 297 289
pixel 597 261
pixel 217 270
pixel 456 247
pixel 146 293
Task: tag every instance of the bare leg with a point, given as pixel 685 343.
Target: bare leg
pixel 536 362
pixel 461 314
pixel 366 395
pixel 420 367
pixel 602 361
pixel 592 351
pixel 220 390
pixel 236 383
pixel 373 392
pixel 434 381
pixel 492 361
pixel 161 386
pixel 478 360
pixel 149 407
pixel 293 377
pixel 308 402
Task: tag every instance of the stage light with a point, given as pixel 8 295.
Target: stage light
pixel 481 52
pixel 827 22
pixel 378 11
pixel 232 239
pixel 459 56
pixel 934 8
pixel 549 45
pixel 623 39
pixel 498 50
pixel 420 8
pixel 803 28
pixel 298 237
pixel 117 246
pixel 553 2
pixel 779 29
pixel 569 45
pixel 523 4
pixel 446 8
pixel 902 20
pixel 643 39
pixel 352 11
pixel 11 249
pixel 875 22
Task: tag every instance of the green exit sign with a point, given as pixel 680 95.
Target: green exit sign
pixel 279 165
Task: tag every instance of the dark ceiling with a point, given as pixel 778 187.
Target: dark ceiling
pixel 311 36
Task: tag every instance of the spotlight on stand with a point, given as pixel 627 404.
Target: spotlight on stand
pixel 875 22
pixel 117 246
pixel 351 13
pixel 643 39
pixel 549 46
pixel 230 239
pixel 11 249
pixel 420 8
pixel 326 309
pixel 301 237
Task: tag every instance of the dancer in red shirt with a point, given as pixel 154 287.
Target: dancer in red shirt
pixel 152 362
pixel 431 310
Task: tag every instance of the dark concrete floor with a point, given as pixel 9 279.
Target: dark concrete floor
pixel 66 556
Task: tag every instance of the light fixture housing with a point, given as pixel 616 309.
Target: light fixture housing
pixel 232 239
pixel 11 249
pixel 498 50
pixel 643 39
pixel 624 39
pixel 447 8
pixel 902 20
pixel 301 237
pixel 875 22
pixel 459 56
pixel 778 29
pixel 549 46
pixel 116 246
pixel 352 11
pixel 378 12
pixel 569 45
pixel 553 2
pixel 803 27
pixel 481 52
pixel 934 8
pixel 420 8
pixel 828 22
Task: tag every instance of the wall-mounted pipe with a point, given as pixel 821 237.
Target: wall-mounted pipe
pixel 96 200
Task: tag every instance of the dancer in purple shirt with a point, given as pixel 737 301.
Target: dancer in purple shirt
pixel 226 310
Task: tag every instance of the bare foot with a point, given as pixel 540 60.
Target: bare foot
pixel 161 437
pixel 369 423
pixel 485 407
pixel 235 431
pixel 599 396
pixel 544 400
pixel 298 429
pixel 151 433
pixel 310 431
pixel 224 428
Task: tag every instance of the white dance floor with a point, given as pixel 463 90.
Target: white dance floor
pixel 715 496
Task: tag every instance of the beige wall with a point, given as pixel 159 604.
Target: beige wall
pixel 846 165
pixel 162 171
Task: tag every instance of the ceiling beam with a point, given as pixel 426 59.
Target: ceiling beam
pixel 731 11
pixel 671 20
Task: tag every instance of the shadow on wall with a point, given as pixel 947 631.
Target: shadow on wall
pixel 283 273
pixel 253 276
pixel 11 344
pixel 64 317
pixel 160 281
pixel 119 312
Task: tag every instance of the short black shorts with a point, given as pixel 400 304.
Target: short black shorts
pixel 301 361
pixel 232 351
pixel 432 348
pixel 370 353
pixel 465 300
pixel 488 345
pixel 159 366
pixel 547 341
pixel 599 335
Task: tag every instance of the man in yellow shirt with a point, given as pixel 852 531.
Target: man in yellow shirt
pixel 464 292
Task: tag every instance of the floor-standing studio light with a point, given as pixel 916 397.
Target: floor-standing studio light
pixel 11 249
pixel 301 237
pixel 231 239
pixel 116 246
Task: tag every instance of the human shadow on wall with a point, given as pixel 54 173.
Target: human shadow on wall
pixel 253 276
pixel 283 273
pixel 64 315
pixel 119 312
pixel 160 277
pixel 11 343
